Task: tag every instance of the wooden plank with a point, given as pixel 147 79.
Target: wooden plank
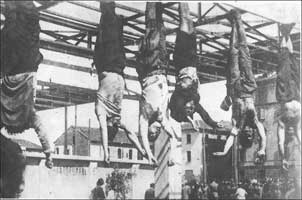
pixel 88 53
pixel 167 178
pixel 47 4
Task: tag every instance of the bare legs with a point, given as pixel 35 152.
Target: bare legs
pixel 102 119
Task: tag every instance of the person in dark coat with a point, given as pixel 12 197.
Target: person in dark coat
pixel 150 193
pixel 98 193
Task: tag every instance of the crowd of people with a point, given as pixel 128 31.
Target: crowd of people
pixel 267 188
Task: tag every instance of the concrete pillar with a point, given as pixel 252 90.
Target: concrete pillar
pixel 167 179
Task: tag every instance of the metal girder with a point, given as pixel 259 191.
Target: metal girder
pixel 82 52
pixel 198 31
pixel 47 4
pixel 89 94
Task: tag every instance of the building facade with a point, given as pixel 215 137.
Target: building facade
pixel 196 146
pixel 85 141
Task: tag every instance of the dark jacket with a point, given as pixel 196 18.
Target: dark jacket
pixel 98 193
pixel 150 194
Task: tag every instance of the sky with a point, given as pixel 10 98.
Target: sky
pixel 211 94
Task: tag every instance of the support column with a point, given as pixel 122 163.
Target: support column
pixel 65 135
pixel 235 161
pixel 204 158
pixel 167 179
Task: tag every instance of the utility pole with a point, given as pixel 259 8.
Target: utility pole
pixel 65 135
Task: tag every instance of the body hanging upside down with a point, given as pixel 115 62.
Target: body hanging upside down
pixel 153 63
pixel 20 58
pixel 185 99
pixel 288 94
pixel 241 86
pixel 109 60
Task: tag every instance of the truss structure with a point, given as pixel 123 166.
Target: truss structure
pixel 76 35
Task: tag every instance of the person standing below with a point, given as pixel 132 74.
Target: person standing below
pixel 98 193
pixel 240 192
pixel 186 191
pixel 150 193
pixel 288 92
pixel 241 86
pixel 109 60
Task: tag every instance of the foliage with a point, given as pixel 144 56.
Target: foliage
pixel 119 181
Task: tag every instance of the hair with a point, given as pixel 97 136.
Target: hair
pixel 100 182
pixel 12 168
pixel 152 185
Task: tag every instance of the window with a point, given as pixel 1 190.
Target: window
pixel 139 156
pixel 188 138
pixel 73 140
pixel 130 154
pixel 188 156
pixel 119 153
pixel 57 150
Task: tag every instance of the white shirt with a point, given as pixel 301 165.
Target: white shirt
pixel 240 193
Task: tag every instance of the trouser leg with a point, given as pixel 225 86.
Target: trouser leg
pixel 248 82
pixel 185 44
pixel 232 71
pixel 153 53
pixel 109 48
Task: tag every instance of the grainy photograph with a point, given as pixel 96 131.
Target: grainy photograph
pixel 150 99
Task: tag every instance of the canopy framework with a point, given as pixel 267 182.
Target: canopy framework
pixel 75 35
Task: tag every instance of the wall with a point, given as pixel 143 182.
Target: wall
pixel 81 146
pixel 195 148
pixel 167 178
pixel 73 177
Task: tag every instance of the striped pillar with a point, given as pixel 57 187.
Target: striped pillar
pixel 167 179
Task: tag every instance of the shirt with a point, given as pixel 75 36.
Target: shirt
pixel 240 193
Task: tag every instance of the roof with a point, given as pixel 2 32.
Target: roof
pixel 119 138
pixel 27 144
